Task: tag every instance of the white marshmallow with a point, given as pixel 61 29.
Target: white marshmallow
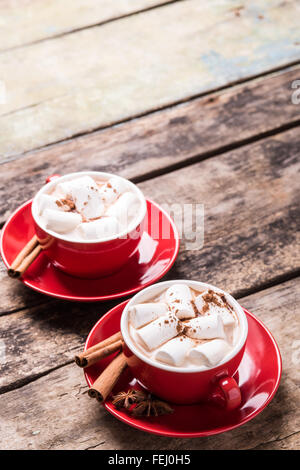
pixel 85 194
pixel 174 352
pixel 46 201
pixel 158 332
pixel 66 187
pixel 88 200
pixel 61 222
pixel 210 353
pixel 200 302
pixel 141 314
pixel 111 190
pixel 125 208
pixel 179 298
pixel 101 228
pixel 228 318
pixel 205 327
pixel 178 291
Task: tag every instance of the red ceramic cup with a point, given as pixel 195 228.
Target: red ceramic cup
pixel 181 384
pixel 89 258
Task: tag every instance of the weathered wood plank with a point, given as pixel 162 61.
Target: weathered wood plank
pixel 14 295
pixel 63 87
pixel 26 21
pixel 160 140
pixel 251 202
pixel 44 337
pixel 291 442
pixel 54 412
pixel 251 208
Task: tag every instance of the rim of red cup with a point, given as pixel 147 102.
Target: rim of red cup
pixel 131 227
pixel 182 370
pixel 143 426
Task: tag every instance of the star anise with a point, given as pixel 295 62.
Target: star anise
pixel 152 407
pixel 126 399
pixel 140 403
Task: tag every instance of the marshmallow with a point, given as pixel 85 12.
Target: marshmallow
pixel 205 327
pixel 210 353
pixel 125 208
pixel 111 190
pixel 101 228
pixel 66 187
pixel 88 200
pixel 141 314
pixel 174 352
pixel 158 332
pixel 178 291
pixel 85 194
pixel 228 318
pixel 47 202
pixel 179 299
pixel 61 222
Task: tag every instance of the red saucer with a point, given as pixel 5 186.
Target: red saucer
pixel 258 377
pixel 153 258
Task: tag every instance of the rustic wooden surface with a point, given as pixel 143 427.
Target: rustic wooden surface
pixel 72 84
pixel 201 93
pixel 25 22
pixel 54 412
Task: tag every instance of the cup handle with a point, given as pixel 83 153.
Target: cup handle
pixel 227 394
pixel 52 178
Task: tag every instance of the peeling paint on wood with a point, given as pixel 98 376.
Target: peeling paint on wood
pixel 96 77
pixel 27 21
pixel 155 142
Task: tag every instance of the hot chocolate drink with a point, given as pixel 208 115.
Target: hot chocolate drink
pixel 87 208
pixel 185 327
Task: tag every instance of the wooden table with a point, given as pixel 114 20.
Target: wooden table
pixel 193 101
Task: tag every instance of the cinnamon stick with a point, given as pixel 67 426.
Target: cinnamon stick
pixel 24 259
pixel 99 354
pixel 109 377
pixel 80 359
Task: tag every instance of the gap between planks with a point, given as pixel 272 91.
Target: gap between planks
pixel 291 271
pixel 90 26
pixel 198 158
pixel 264 444
pixel 273 282
pixel 31 378
pixel 192 54
pixel 214 153
pixel 63 391
pixel 245 293
pixel 230 85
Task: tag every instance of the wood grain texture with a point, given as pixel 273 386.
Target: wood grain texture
pixel 62 85
pixel 14 295
pixel 142 147
pixel 160 140
pixel 54 412
pixel 26 21
pixel 44 337
pixel 291 442
pixel 251 206
pixel 73 84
